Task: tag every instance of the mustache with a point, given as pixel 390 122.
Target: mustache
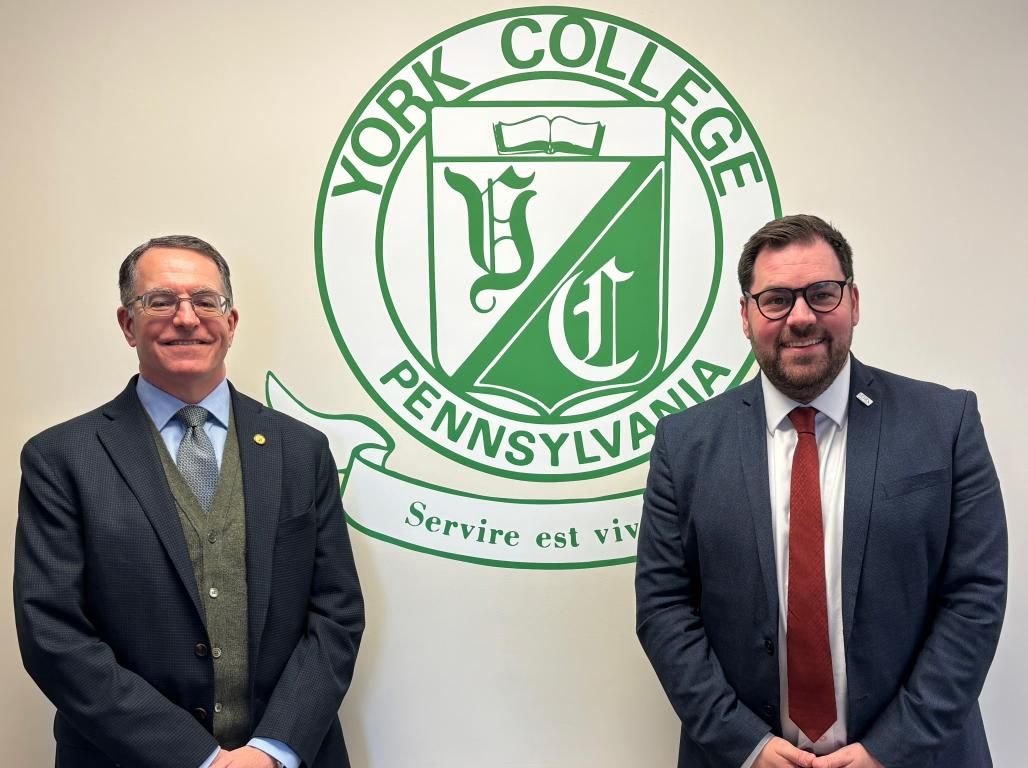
pixel 804 335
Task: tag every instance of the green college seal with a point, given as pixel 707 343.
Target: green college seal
pixel 525 245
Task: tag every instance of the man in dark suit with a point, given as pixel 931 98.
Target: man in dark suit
pixel 822 556
pixel 185 592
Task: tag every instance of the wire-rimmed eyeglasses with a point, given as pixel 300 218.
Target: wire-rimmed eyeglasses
pixel 164 303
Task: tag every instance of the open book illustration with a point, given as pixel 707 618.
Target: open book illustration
pixel 549 135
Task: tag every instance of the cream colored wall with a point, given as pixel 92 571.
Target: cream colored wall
pixel 902 122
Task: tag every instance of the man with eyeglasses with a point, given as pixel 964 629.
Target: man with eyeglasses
pixel 185 591
pixel 822 556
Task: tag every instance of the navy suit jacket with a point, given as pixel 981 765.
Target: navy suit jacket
pixel 106 602
pixel 924 568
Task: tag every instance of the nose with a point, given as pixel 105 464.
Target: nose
pixel 185 315
pixel 801 316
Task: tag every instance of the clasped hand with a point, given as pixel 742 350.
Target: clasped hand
pixel 779 753
pixel 244 757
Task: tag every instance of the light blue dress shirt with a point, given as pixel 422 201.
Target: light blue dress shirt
pixel 161 408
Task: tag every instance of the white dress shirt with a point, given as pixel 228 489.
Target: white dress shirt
pixel 830 431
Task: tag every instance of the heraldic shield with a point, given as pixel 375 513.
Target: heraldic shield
pixel 548 251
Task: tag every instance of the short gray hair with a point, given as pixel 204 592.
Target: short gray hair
pixel 127 271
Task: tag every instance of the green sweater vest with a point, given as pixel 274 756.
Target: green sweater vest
pixel 217 548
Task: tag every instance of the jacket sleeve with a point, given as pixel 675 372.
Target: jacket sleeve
pixel 671 628
pixel 933 703
pixel 306 699
pixel 115 709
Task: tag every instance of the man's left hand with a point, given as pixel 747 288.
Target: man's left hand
pixel 850 756
pixel 244 757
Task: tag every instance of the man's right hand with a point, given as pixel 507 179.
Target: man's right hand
pixel 244 757
pixel 779 753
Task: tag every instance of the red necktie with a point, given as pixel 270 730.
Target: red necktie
pixel 811 685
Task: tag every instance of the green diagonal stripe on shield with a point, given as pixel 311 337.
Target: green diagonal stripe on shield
pixel 548 252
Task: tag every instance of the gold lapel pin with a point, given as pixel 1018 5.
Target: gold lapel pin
pixel 260 439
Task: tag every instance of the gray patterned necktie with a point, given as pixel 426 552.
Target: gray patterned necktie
pixel 196 460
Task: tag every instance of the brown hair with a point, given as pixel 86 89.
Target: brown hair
pixel 800 228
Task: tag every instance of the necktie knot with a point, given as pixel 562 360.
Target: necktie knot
pixel 193 415
pixel 803 419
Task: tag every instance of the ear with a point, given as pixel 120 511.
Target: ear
pixel 127 323
pixel 855 296
pixel 745 318
pixel 233 320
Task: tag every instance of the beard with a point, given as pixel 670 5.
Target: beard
pixel 803 380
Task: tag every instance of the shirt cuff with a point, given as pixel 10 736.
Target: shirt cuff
pixel 756 752
pixel 207 763
pixel 278 750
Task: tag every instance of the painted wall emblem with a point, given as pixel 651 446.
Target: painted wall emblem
pixel 525 244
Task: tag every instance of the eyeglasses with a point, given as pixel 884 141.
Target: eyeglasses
pixel 822 296
pixel 164 303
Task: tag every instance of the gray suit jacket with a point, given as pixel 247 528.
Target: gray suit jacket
pixel 106 602
pixel 924 571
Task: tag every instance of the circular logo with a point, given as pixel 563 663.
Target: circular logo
pixel 526 239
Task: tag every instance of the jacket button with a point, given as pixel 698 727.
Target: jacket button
pixel 200 714
pixel 200 650
pixel 769 647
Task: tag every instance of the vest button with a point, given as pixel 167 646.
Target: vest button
pixel 212 537
pixel 200 650
pixel 200 714
pixel 769 647
pixel 216 653
pixel 213 592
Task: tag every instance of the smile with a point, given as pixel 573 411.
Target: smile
pixel 183 342
pixel 802 344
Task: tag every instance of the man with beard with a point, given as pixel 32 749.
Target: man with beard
pixel 822 557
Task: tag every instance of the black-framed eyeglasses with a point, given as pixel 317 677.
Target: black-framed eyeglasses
pixel 822 296
pixel 164 303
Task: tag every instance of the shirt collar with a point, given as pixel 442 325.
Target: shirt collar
pixel 162 407
pixel 832 402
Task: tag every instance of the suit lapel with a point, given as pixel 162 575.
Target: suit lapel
pixel 260 454
pixel 863 432
pixel 128 439
pixel 753 457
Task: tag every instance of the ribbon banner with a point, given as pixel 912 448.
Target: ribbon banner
pixel 429 518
